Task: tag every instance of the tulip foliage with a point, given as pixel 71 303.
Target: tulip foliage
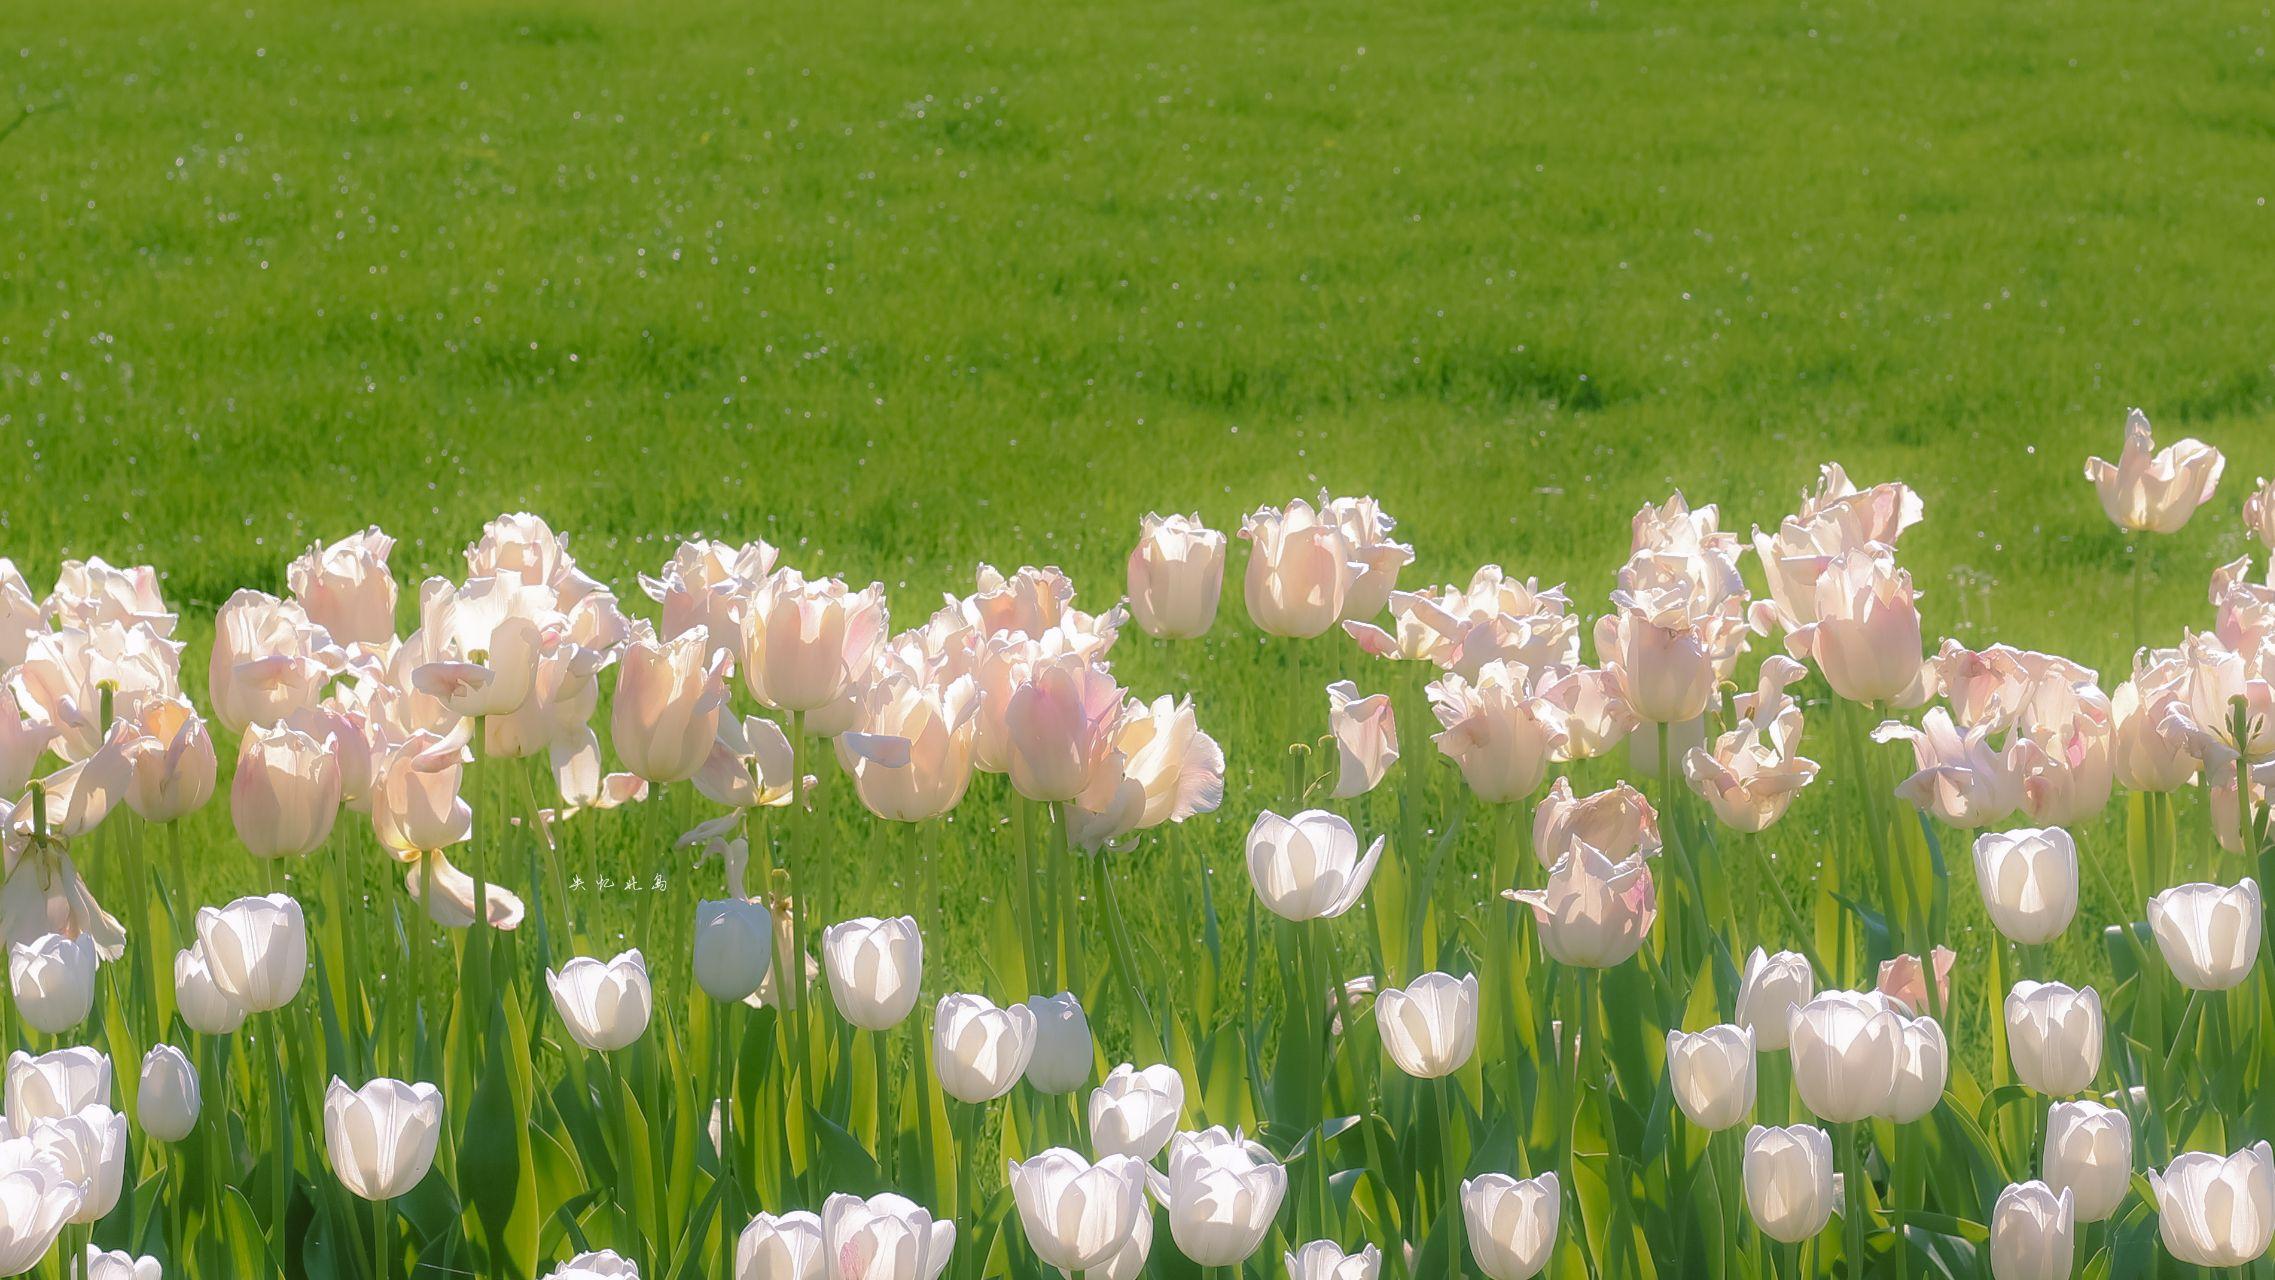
pixel 497 927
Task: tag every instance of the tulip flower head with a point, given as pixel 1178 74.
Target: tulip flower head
pixel 90 1145
pixel 347 589
pixel 885 1237
pixel 807 643
pixel 1593 912
pixel 1904 979
pixel 2089 1152
pixel 41 1199
pixel 2216 1211
pixel 53 980
pixel 167 1098
pixel 202 1003
pixel 601 1264
pixel 1176 576
pixel 1770 989
pixel 1325 1260
pixel 1366 738
pixel 1301 570
pixel 1077 1215
pixel 1309 867
pixel 1712 1074
pixel 670 695
pixel 604 1005
pixel 2146 491
pixel 1134 1112
pixel 173 760
pixel 2029 881
pixel 1511 1223
pixel 979 1050
pixel 780 1247
pixel 117 1264
pixel 875 969
pixel 1618 823
pixel 734 945
pixel 1222 1197
pixel 2208 934
pixel 1791 1188
pixel 1923 1066
pixel 381 1138
pixel 286 792
pixel 2054 1033
pixel 1847 1049
pixel 256 950
pixel 1063 1056
pixel 2033 1233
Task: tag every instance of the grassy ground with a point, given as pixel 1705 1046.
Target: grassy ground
pixel 901 287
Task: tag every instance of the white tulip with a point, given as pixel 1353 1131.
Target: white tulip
pixel 2209 935
pixel 1308 867
pixel 2029 881
pixel 978 1050
pixel 117 1264
pixel 38 1199
pixel 1511 1223
pixel 788 1247
pixel 53 977
pixel 1063 1056
pixel 203 1004
pixel 2053 1033
pixel 1847 1049
pixel 1773 986
pixel 1712 1074
pixel 90 1144
pixel 55 1084
pixel 381 1138
pixel 1791 1189
pixel 876 968
pixel 734 944
pixel 2089 1151
pixel 605 1006
pixel 1325 1260
pixel 256 950
pixel 2217 1211
pixel 2033 1233
pixel 885 1237
pixel 1923 1066
pixel 1222 1198
pixel 1429 1028
pixel 1134 1112
pixel 167 1098
pixel 1077 1215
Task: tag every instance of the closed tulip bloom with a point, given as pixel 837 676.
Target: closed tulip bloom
pixel 664 717
pixel 1866 638
pixel 1063 1056
pixel 2146 491
pixel 1309 867
pixel 2033 1233
pixel 605 1006
pixel 1772 987
pixel 978 1050
pixel 1061 728
pixel 1617 822
pixel 117 1264
pixel 1594 912
pixel 1511 1223
pixel 1847 1049
pixel 415 802
pixel 600 1264
pixel 2216 1211
pixel 2053 1033
pixel 1712 1073
pixel 2208 934
pixel 2029 881
pixel 1664 667
pixel 1077 1215
pixel 1501 735
pixel 1923 1066
pixel 1325 1260
pixel 1790 1186
pixel 347 587
pixel 173 760
pixel 1366 738
pixel 784 1247
pixel 166 1098
pixel 286 793
pixel 55 1084
pixel 90 1145
pixel 1222 1199
pixel 1176 576
pixel 1134 1112
pixel 53 978
pixel 807 643
pixel 734 944
pixel 1429 1028
pixel 203 1004
pixel 885 1237
pixel 37 1200
pixel 256 950
pixel 2089 1153
pixel 1301 569
pixel 381 1138
pixel 875 969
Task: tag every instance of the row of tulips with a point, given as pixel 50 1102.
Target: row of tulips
pixel 1419 1054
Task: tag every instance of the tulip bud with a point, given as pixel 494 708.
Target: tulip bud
pixel 1593 912
pixel 1134 1112
pixel 1923 1065
pixel 885 1237
pixel 1222 1198
pixel 53 977
pixel 90 1145
pixel 1712 1072
pixel 203 1004
pixel 2217 1211
pixel 1790 1186
pixel 876 968
pixel 2029 881
pixel 1773 986
pixel 2033 1233
pixel 788 1247
pixel 1308 867
pixel 286 792
pixel 1511 1223
pixel 117 1264
pixel 978 1050
pixel 1866 638
pixel 173 758
pixel 664 717
pixel 167 1099
pixel 1846 1051
pixel 734 943
pixel 1176 576
pixel 381 1138
pixel 1325 1260
pixel 256 950
pixel 2054 1036
pixel 605 1006
pixel 2089 1151
pixel 1077 1215
pixel 1063 1056
pixel 1366 738
pixel 2209 935
pixel 1301 570
pixel 1430 1028
pixel 2149 492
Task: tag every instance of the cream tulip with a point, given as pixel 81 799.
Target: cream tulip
pixel 780 1247
pixel 734 944
pixel 1771 988
pixel 2146 491
pixel 347 589
pixel 1511 1223
pixel 381 1138
pixel 1617 822
pixel 415 802
pixel 604 1005
pixel 1366 529
pixel 1712 1074
pixel 807 643
pixel 2033 1233
pixel 1301 569
pixel 1594 912
pixel 1847 1049
pixel 2146 752
pixel 286 793
pixel 1663 666
pixel 1866 638
pixel 55 1084
pixel 1309 867
pixel 911 755
pixel 269 660
pixel 1958 778
pixel 167 1098
pixel 2089 1152
pixel 600 1264
pixel 1176 576
pixel 1923 1067
pixel 2216 1211
pixel 1429 1028
pixel 2053 1033
pixel 256 950
pixel 202 1003
pixel 876 968
pixel 1791 1189
pixel 2029 881
pixel 2208 934
pixel 1077 1215
pixel 1366 738
pixel 1179 769
pixel 53 980
pixel 885 1237
pixel 1325 1260
pixel 1134 1112
pixel 978 1050
pixel 1502 735
pixel 173 760
pixel 664 717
